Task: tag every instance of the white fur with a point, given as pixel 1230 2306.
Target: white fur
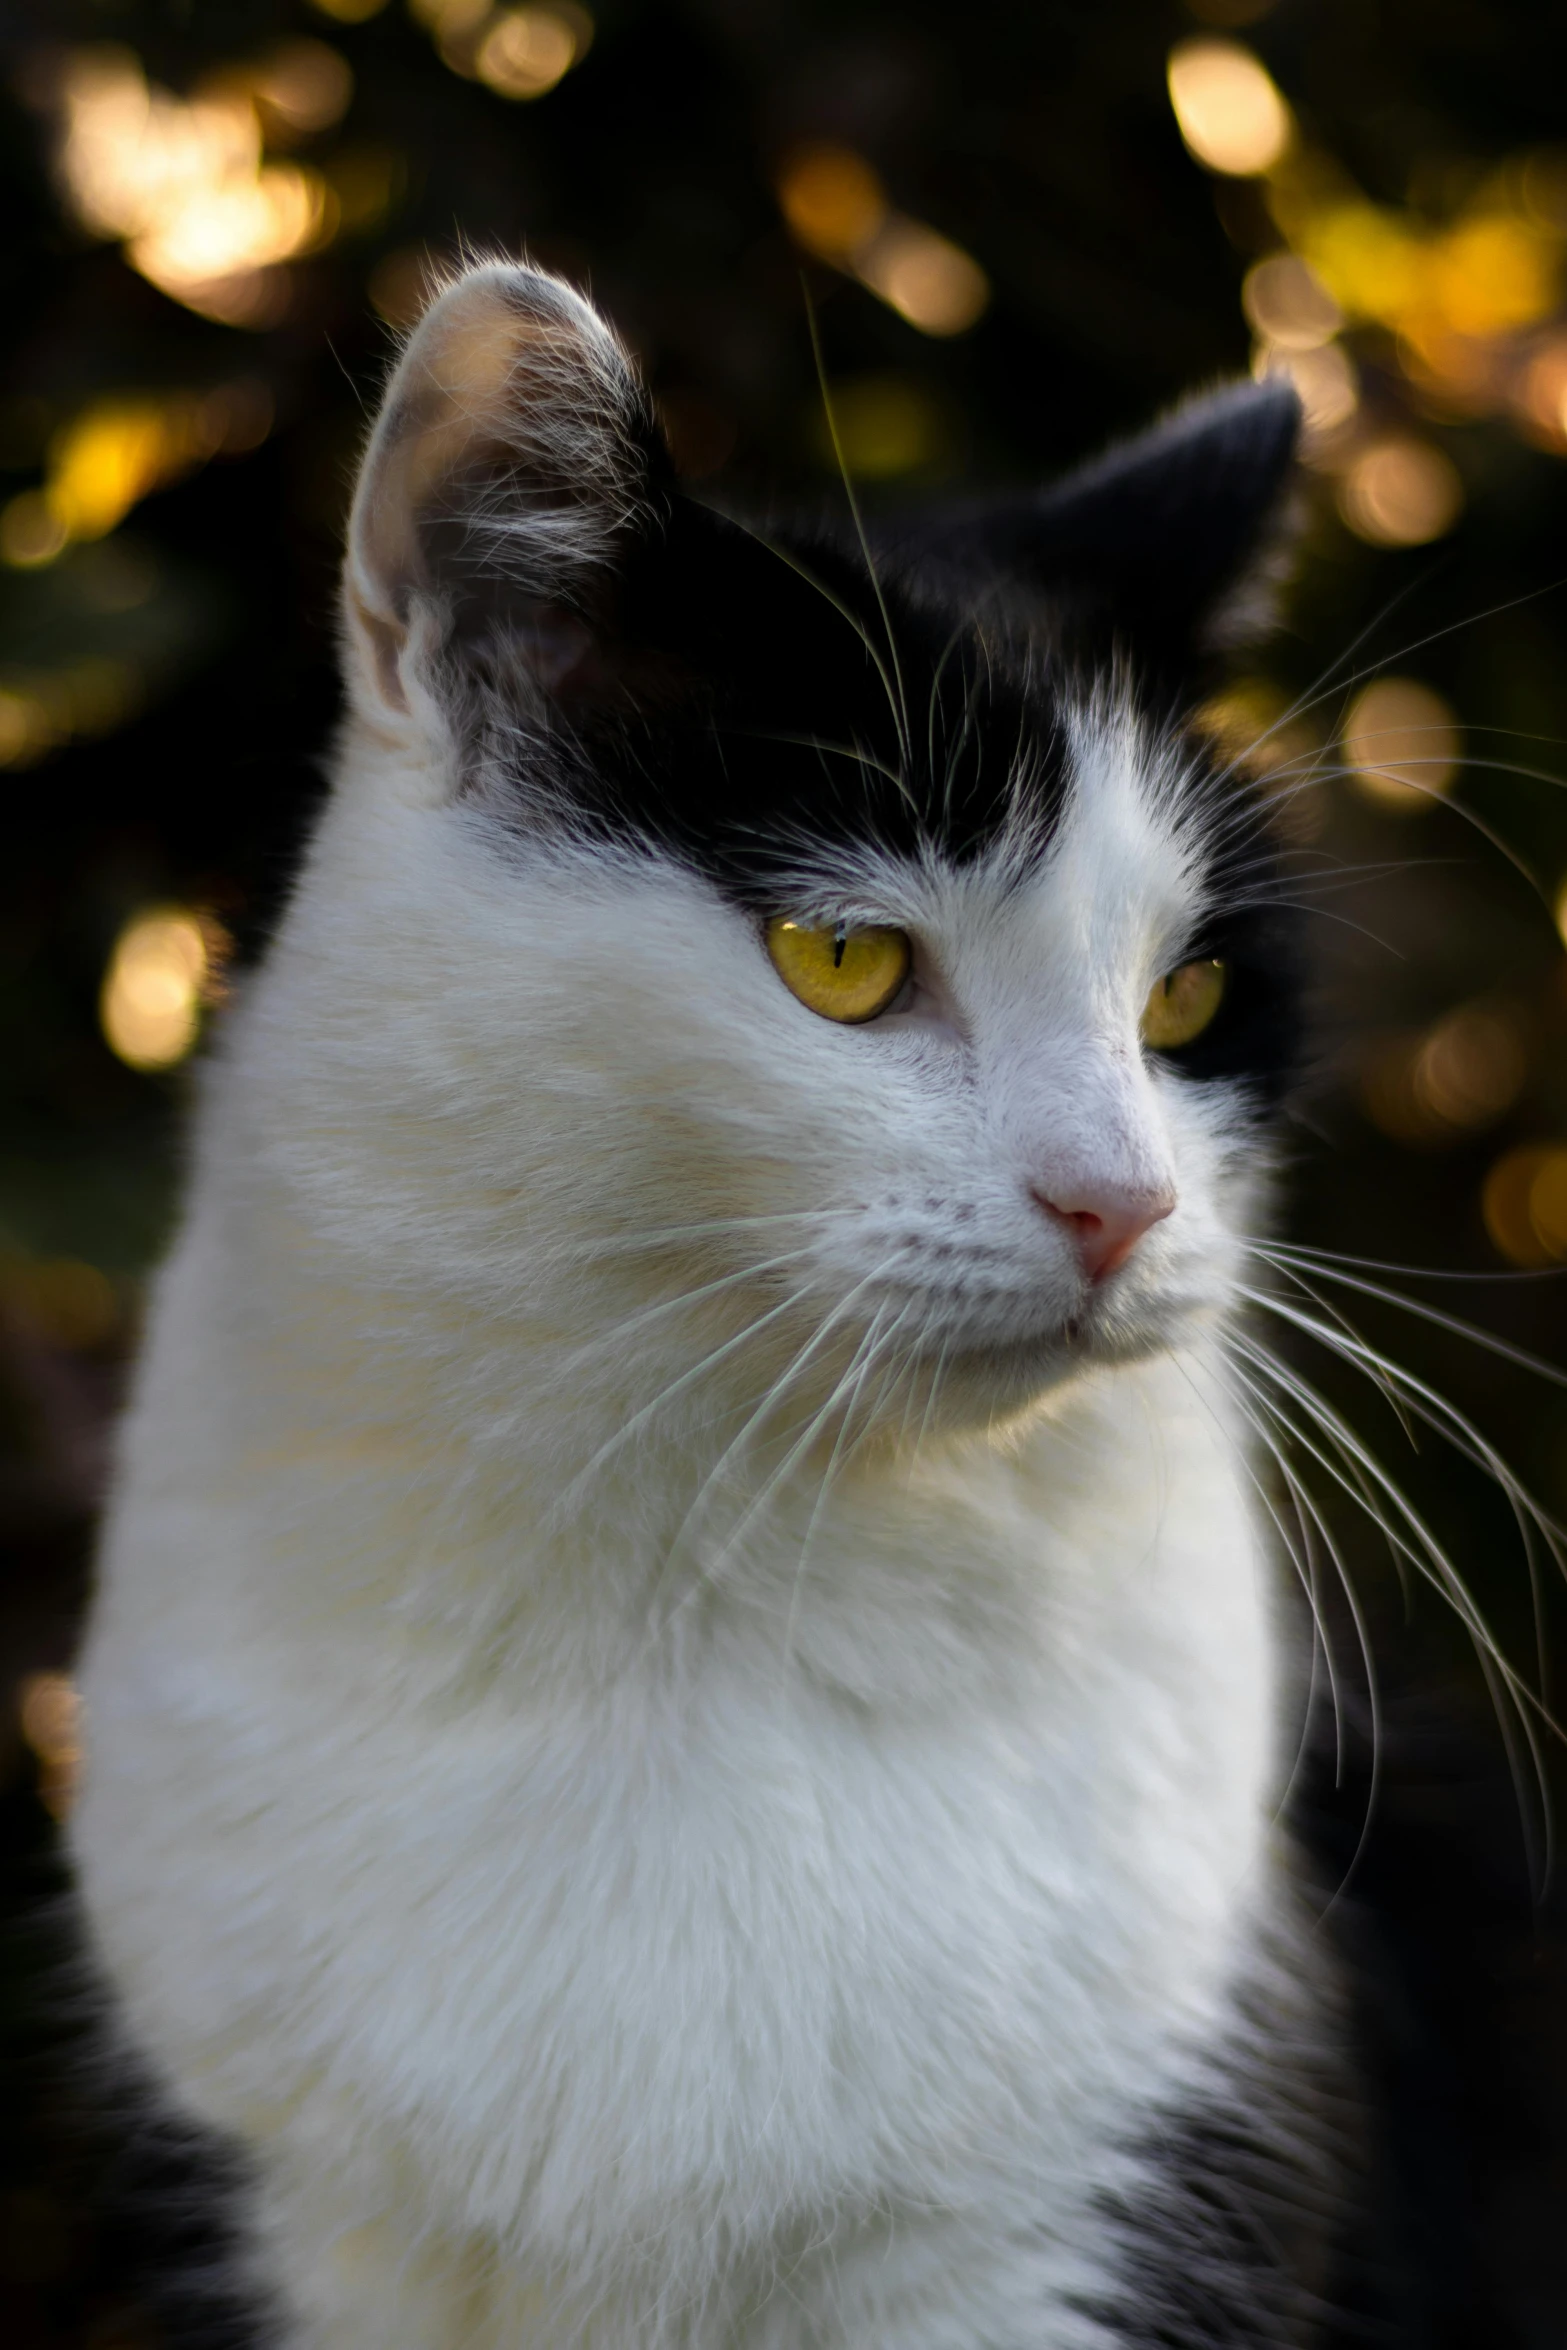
pixel 641 1873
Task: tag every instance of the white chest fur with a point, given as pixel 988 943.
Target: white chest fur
pixel 869 1912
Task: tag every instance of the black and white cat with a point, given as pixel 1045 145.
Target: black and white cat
pixel 685 1708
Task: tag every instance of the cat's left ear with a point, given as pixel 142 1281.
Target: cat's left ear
pixel 513 462
pixel 1172 546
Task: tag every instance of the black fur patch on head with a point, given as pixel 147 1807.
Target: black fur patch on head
pixel 750 701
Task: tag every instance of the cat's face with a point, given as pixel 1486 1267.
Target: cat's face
pixel 848 936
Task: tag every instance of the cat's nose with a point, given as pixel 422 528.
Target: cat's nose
pixel 1106 1225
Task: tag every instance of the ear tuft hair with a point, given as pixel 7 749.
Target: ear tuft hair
pixel 513 456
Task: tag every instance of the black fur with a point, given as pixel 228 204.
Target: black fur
pixel 1256 2229
pixel 1156 547
pixel 756 698
pixel 157 2207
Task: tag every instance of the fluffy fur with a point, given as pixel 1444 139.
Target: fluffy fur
pixel 682 1714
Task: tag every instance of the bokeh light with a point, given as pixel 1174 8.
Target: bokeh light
pixel 832 200
pixel 1401 492
pixel 43 709
pixel 1448 1081
pixel 116 452
pixel 1288 305
pixel 1226 105
pixel 25 732
pixel 1524 1204
pixel 886 426
pixel 1466 287
pixel 1540 396
pixel 926 278
pixel 519 53
pixel 453 25
pixel 64 1301
pixel 108 459
pixel 299 88
pixel 50 1715
pixel 161 973
pixel 1402 745
pixel 182 182
pixel 523 52
pixel 837 208
pixel 31 532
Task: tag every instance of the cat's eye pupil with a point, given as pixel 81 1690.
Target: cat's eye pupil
pixel 843 972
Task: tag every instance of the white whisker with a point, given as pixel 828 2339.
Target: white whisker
pixel 775 1393
pixel 666 1395
pixel 1519 1709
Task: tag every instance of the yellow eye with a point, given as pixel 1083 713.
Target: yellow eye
pixel 847 975
pixel 1182 1004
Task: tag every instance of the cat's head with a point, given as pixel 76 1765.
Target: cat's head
pixel 849 932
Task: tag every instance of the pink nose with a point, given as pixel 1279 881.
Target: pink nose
pixel 1106 1233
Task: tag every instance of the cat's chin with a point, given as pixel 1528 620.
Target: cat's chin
pixel 991 1378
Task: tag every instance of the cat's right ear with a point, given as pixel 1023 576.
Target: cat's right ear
pixel 511 465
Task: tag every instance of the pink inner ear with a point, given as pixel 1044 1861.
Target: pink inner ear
pixel 386 644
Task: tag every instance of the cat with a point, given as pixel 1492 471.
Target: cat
pixel 690 1688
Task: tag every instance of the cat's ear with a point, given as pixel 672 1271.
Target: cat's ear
pixel 511 465
pixel 1172 545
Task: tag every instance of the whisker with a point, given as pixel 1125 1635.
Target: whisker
pixel 1327 1257
pixel 802 571
pixel 1426 1402
pixel 1311 1516
pixel 617 1332
pixel 665 1235
pixel 831 1470
pixel 816 1421
pixel 1323 689
pixel 757 1419
pixel 1443 1416
pixel 912 1365
pixel 640 1418
pixel 817 743
pixel 1297 1549
pixel 1336 1315
pixel 1458 1431
pixel 938 1374
pixel 1408 1530
pixel 933 702
pixel 1513 1716
pixel 901 708
pixel 1327 1269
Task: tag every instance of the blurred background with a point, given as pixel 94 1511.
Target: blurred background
pixel 1024 229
